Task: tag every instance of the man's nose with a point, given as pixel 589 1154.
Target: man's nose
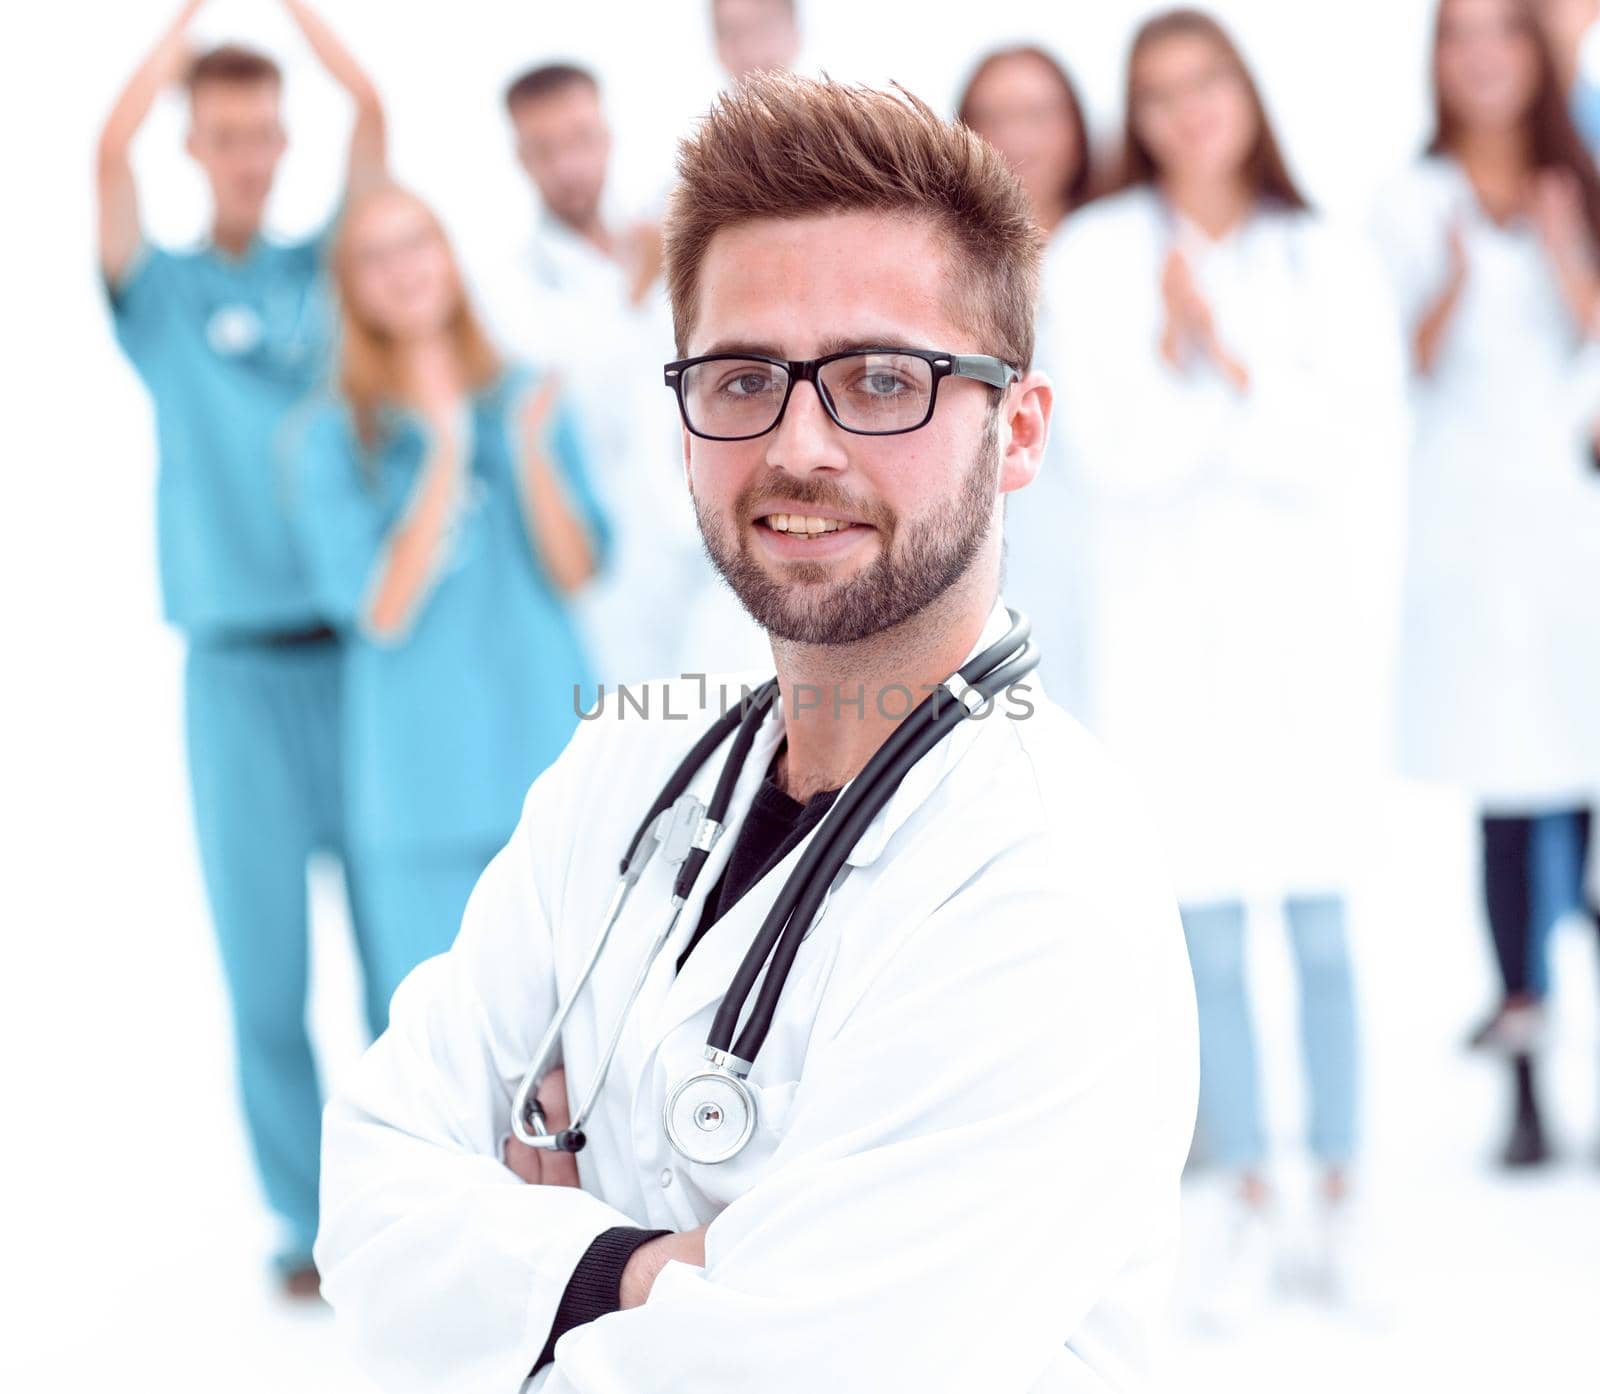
pixel 806 439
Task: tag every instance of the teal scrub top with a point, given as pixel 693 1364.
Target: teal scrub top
pixel 226 347
pixel 447 724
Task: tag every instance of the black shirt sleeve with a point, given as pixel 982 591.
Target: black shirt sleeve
pixel 594 1290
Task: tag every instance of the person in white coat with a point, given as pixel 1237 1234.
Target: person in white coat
pixel 584 300
pixel 973 1106
pixel 1232 429
pixel 1492 241
pixel 1023 102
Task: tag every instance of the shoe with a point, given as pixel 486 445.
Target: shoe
pixel 1526 1146
pixel 303 1284
pixel 1331 1258
pixel 1240 1286
pixel 1515 1028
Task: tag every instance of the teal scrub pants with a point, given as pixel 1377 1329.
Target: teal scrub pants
pixel 263 740
pixel 411 901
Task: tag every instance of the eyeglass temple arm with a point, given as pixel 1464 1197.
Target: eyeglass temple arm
pixel 994 371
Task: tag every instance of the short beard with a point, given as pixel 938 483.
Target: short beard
pixel 907 577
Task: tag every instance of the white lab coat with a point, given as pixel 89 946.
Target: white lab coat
pixel 659 609
pixel 975 1101
pixel 1500 671
pixel 1238 551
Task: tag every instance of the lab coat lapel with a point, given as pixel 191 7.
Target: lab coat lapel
pixel 710 969
pixel 928 772
pixel 670 997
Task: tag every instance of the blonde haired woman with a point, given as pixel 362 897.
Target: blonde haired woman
pixel 443 507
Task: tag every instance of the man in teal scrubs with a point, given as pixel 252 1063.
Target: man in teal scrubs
pixel 228 338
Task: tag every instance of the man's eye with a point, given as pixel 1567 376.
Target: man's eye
pixel 880 384
pixel 747 384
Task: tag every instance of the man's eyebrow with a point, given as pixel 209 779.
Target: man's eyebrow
pixel 833 344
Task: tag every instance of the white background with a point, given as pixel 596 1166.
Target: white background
pixel 132 1230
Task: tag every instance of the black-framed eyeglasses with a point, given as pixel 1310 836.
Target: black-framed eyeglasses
pixel 866 391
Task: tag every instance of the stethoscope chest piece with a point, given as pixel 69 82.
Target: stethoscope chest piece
pixel 710 1116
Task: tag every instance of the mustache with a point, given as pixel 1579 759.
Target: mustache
pixel 811 491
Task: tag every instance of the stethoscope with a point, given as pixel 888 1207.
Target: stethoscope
pixel 711 1115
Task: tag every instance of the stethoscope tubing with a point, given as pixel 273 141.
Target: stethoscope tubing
pixel 801 895
pixel 527 1119
pixel 1001 663
pixel 848 833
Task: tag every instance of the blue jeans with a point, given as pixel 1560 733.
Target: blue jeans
pixel 1560 866
pixel 1230 1086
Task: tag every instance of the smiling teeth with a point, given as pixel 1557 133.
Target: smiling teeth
pixel 795 522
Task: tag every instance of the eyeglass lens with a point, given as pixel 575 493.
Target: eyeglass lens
pixel 871 393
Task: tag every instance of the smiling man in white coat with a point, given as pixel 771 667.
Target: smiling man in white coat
pixel 968 1119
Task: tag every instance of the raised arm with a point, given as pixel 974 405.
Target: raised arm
pixel 369 152
pixel 119 228
pixel 372 567
pixel 410 560
pixel 1433 324
pixel 555 526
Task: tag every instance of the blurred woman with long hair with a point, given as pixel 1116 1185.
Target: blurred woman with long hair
pixel 1492 240
pixel 446 517
pixel 1023 102
pixel 1231 417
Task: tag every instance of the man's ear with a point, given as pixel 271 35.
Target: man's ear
pixel 1026 410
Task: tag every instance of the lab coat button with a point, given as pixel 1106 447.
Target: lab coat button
pixel 666 1177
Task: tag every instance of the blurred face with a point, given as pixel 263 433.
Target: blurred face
pixel 237 139
pixel 1487 64
pixel 754 36
pixel 401 278
pixel 1018 106
pixel 907 515
pixel 1192 109
pixel 564 144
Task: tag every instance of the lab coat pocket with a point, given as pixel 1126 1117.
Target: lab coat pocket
pixel 723 1182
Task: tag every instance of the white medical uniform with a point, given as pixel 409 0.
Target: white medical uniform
pixel 975 1101
pixel 1238 549
pixel 1501 659
pixel 660 609
pixel 1045 571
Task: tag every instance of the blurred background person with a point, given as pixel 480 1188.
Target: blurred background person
pixel 1231 412
pixel 753 36
pixel 1022 102
pixel 227 338
pixel 586 301
pixel 1491 240
pixel 444 509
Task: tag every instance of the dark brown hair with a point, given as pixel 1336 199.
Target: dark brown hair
pixel 233 64
pixel 1553 141
pixel 783 146
pixel 546 80
pixel 1265 168
pixel 1080 183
